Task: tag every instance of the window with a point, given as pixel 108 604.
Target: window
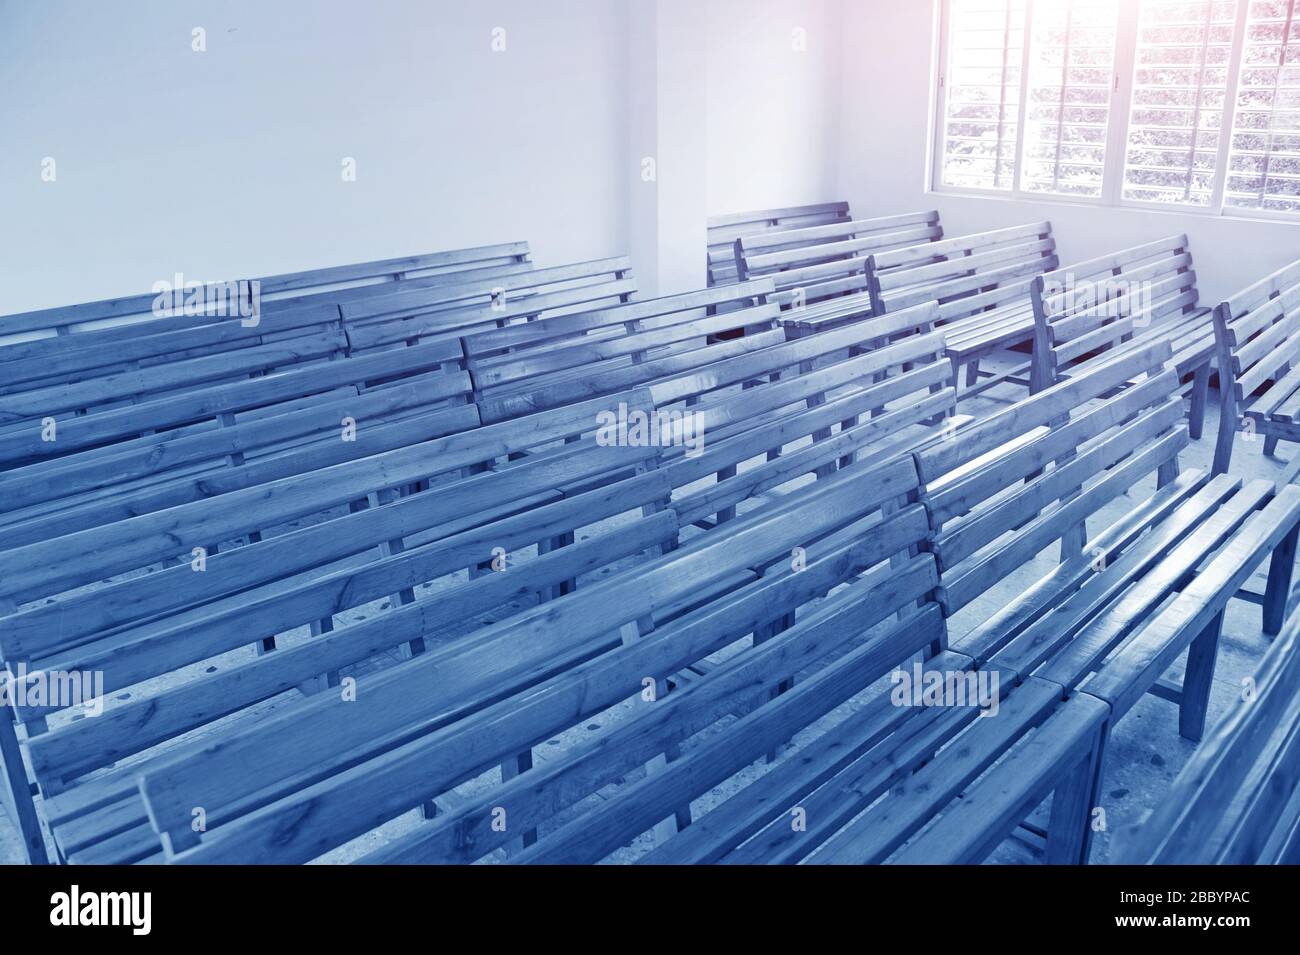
pixel 1264 169
pixel 1186 104
pixel 1058 90
pixel 983 107
pixel 1071 67
pixel 1180 80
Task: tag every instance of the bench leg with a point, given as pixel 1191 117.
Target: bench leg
pixel 1200 396
pixel 1167 473
pixel 1194 701
pixel 762 635
pixel 16 796
pixel 1227 429
pixel 1069 828
pixel 545 547
pixel 727 513
pixel 972 374
pixel 1270 445
pixel 1281 568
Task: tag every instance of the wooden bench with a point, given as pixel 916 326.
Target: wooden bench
pixel 724 230
pixel 854 533
pixel 982 283
pixel 1259 377
pixel 1100 305
pixel 128 314
pixel 821 272
pixel 1138 584
pixel 993 504
pixel 536 694
pixel 577 351
pixel 305 577
pixel 1236 802
pixel 292 354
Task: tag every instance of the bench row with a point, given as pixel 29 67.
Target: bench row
pixel 211 440
pixel 996 290
pixel 278 557
pixel 1072 452
pixel 350 282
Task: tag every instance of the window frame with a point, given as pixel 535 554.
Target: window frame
pixel 1120 118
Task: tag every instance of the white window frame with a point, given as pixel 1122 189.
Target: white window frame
pixel 1117 136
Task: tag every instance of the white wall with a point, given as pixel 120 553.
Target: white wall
pixel 886 126
pixel 227 163
pixel 773 110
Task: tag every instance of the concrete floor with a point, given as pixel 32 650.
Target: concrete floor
pixel 1145 753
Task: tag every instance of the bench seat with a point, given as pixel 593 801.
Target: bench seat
pixel 982 283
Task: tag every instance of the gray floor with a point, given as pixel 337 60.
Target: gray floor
pixel 1145 754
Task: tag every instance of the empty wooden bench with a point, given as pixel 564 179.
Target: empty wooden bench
pixel 1100 305
pixel 1150 553
pixel 997 494
pixel 821 272
pixel 724 230
pixel 127 314
pixel 1259 376
pixel 846 530
pixel 579 350
pixel 1237 801
pixel 76 409
pixel 244 443
pixel 982 283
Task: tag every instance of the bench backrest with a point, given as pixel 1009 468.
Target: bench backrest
pixel 967 274
pixel 1023 478
pixel 558 349
pixel 1096 305
pixel 1237 801
pixel 1258 333
pixel 820 262
pixel 110 406
pixel 50 423
pixel 233 436
pixel 133 310
pixel 458 309
pixel 724 230
pixel 551 668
